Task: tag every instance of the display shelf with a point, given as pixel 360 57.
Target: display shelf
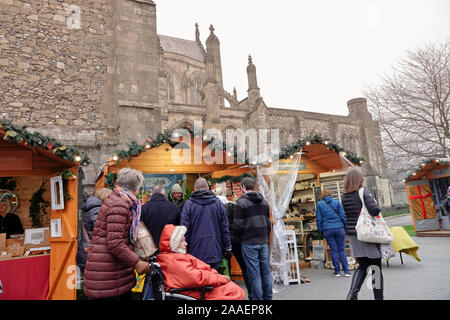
pixel 292 219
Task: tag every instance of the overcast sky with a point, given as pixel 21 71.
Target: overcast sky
pixel 309 55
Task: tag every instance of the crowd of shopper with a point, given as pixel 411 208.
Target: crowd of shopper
pixel 195 236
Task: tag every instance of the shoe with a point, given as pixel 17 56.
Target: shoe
pixel 348 274
pixel 337 275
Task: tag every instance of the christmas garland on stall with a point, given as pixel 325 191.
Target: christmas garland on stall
pixel 135 149
pixel 21 135
pixel 428 161
pixel 110 180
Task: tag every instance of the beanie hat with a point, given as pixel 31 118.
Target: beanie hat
pixel 176 237
pixel 176 188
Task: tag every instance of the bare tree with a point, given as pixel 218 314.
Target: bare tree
pixel 412 106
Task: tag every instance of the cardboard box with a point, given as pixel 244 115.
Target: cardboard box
pixel 16 250
pixel 2 240
pixel 12 241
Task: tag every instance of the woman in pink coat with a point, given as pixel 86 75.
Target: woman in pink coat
pixel 182 270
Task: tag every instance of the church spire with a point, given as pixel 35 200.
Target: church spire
pixel 197 33
pixel 251 74
pixel 235 93
pixel 253 90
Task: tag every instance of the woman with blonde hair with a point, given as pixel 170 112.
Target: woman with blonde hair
pixel 367 253
pixel 331 220
pixel 90 209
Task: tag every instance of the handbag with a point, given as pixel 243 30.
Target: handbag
pixel 144 246
pixel 372 229
pixel 387 251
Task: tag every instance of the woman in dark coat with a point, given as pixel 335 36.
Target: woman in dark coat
pixel 91 209
pixel 367 253
pixel 109 268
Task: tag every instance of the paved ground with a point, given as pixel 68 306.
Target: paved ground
pixel 403 220
pixel 425 280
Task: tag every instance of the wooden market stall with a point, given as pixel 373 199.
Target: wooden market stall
pixel 426 189
pixel 164 161
pixel 34 268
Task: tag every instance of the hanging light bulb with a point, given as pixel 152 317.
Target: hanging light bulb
pixel 77 158
pixel 147 146
pixel 115 158
pixel 326 142
pixel 308 143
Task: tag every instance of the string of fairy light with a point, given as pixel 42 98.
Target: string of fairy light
pixel 288 151
pixel 436 161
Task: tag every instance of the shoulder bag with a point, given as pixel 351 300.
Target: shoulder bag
pixel 372 229
pixel 145 246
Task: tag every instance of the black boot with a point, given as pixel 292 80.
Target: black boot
pixel 378 293
pixel 357 281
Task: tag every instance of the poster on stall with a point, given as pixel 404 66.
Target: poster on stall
pixel 167 180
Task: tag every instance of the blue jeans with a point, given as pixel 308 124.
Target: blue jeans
pixel 257 263
pixel 336 241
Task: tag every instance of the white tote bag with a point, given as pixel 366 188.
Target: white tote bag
pixel 372 229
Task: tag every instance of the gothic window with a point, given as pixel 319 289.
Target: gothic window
pixel 194 91
pixel 171 89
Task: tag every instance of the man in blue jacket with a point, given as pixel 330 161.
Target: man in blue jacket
pixel 331 220
pixel 205 218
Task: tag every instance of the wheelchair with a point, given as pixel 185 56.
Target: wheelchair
pixel 157 285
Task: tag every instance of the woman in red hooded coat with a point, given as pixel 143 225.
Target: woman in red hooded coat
pixel 182 270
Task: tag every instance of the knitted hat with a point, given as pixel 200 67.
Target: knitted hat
pixel 176 188
pixel 176 237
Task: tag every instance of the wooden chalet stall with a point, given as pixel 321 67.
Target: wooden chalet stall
pixel 43 268
pixel 165 160
pixel 426 189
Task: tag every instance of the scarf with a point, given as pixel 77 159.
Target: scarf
pixel 135 206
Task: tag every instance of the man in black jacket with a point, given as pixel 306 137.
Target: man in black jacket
pixel 251 226
pixel 156 214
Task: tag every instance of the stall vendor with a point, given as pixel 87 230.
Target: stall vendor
pixel 9 222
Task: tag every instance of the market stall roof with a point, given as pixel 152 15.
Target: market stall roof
pixel 326 158
pixel 22 159
pixel 425 171
pixel 160 159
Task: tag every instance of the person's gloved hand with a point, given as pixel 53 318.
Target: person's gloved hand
pixel 227 254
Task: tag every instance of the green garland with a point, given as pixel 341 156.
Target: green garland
pixel 38 205
pixel 21 135
pixel 135 149
pixel 428 161
pixel 110 180
pixel 231 178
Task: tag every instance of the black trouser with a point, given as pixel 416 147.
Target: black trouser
pixel 360 275
pixel 236 248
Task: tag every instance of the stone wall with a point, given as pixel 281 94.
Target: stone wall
pixel 52 75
